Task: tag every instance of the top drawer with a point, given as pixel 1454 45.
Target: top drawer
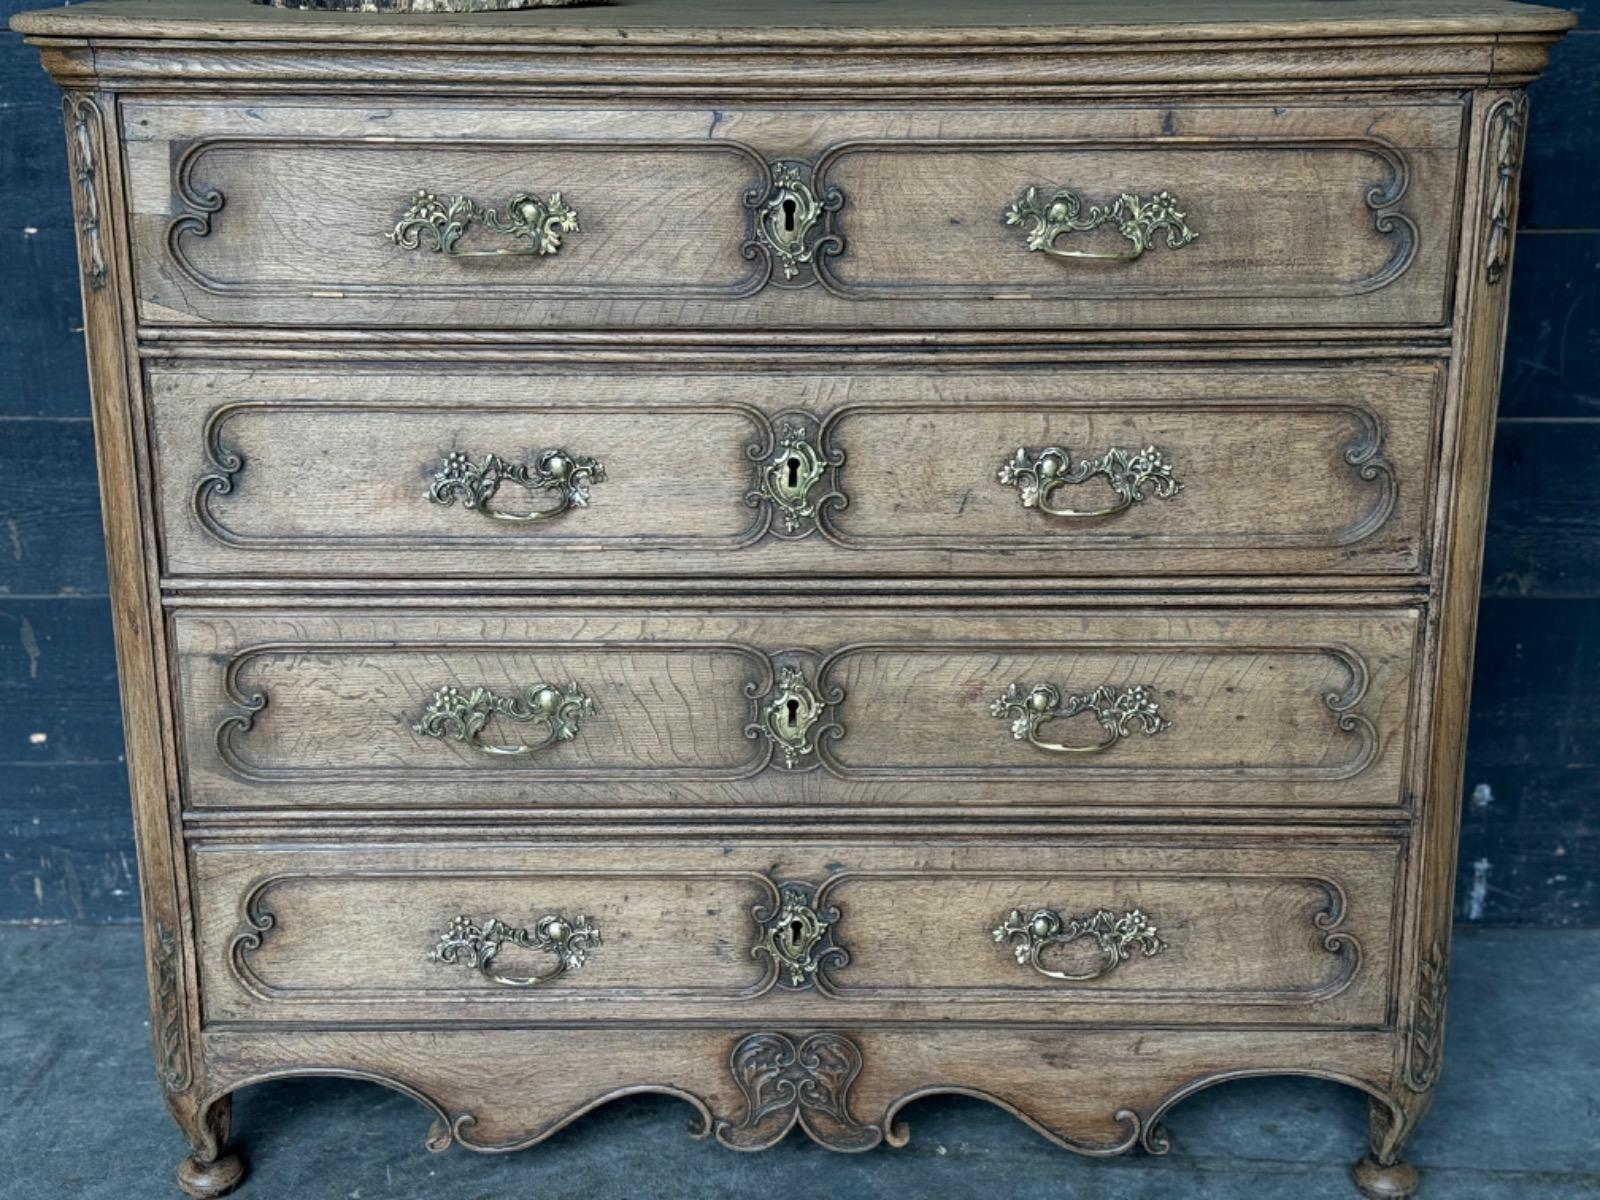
pixel 1181 216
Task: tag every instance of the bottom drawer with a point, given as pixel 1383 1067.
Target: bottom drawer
pixel 1135 929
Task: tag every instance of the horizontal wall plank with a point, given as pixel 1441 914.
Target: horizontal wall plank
pixel 1563 137
pixel 51 539
pixel 1553 335
pixel 1534 689
pixel 1530 842
pixel 58 683
pixel 1530 847
pixel 41 356
pixel 66 845
pixel 1544 510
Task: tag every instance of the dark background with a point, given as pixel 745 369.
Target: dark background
pixel 1531 842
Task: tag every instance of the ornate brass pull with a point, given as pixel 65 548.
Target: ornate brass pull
pixel 1136 219
pixel 1117 713
pixel 469 944
pixel 475 484
pixel 1116 937
pixel 536 224
pixel 451 715
pixel 1039 475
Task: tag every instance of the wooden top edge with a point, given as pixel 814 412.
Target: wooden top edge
pixel 906 24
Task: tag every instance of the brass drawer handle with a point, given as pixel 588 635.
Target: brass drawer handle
pixel 469 944
pixel 1118 938
pixel 537 225
pixel 1117 713
pixel 475 484
pixel 1137 219
pixel 1038 475
pixel 462 717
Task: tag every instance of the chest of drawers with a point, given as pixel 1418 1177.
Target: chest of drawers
pixel 798 558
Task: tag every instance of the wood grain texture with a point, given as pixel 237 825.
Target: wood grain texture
pixel 1316 214
pixel 253 478
pixel 316 710
pixel 1354 177
pixel 1274 935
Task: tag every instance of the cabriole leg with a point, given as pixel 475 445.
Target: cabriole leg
pixel 213 1169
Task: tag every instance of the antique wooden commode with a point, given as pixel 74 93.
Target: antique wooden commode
pixel 797 557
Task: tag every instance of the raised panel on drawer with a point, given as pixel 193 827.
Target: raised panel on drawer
pixel 1246 932
pixel 1283 468
pixel 1265 711
pixel 1316 213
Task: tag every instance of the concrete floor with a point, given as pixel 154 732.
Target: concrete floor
pixel 1517 1113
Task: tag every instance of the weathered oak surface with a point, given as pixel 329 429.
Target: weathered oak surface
pixel 1307 626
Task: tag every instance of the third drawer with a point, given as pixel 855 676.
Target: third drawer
pixel 767 712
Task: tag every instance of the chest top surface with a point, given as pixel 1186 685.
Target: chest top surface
pixel 802 23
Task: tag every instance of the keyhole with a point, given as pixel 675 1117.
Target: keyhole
pixel 794 472
pixel 788 216
pixel 797 930
pixel 794 713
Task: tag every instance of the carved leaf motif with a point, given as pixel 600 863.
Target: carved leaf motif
pixel 785 1085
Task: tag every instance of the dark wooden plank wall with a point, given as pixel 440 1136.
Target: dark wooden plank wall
pixel 1532 831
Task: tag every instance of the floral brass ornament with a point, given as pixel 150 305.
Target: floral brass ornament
pixel 790 719
pixel 454 715
pixel 439 225
pixel 794 224
pixel 1135 218
pixel 808 1085
pixel 468 944
pixel 1038 475
pixel 798 936
pixel 794 477
pixel 1117 938
pixel 476 484
pixel 1118 713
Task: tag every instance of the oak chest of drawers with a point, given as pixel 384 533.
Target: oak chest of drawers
pixel 798 558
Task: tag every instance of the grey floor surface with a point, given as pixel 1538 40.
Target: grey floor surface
pixel 1517 1113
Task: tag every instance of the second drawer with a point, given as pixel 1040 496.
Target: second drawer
pixel 1119 471
pixel 846 712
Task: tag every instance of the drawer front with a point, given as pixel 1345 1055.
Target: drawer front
pixel 1115 471
pixel 1094 931
pixel 1002 216
pixel 827 713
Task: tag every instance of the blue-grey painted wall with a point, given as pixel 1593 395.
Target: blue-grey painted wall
pixel 1531 852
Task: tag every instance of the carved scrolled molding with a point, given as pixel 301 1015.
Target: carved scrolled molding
pixel 246 707
pixel 1343 705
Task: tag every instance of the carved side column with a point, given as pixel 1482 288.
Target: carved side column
pixel 1483 284
pixel 114 383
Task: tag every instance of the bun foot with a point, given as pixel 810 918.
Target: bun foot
pixel 1378 1182
pixel 205 1180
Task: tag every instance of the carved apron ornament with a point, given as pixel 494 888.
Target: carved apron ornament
pixel 808 1085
